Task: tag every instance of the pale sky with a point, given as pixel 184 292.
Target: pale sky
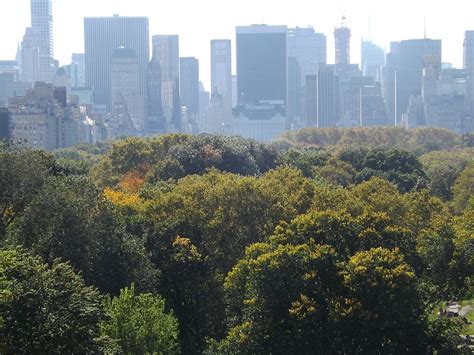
pixel 199 21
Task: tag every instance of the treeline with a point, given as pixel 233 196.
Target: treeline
pixel 417 140
pixel 206 244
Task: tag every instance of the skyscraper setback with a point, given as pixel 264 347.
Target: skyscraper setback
pixel 103 35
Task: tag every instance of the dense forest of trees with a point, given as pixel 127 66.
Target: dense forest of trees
pixel 325 241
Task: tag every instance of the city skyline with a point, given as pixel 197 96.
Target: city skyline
pixel 385 20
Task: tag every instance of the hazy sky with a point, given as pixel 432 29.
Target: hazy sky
pixel 198 21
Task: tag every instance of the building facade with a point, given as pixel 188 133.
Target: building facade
pixel 221 70
pixel 165 49
pixel 125 86
pixel 103 35
pixel 261 64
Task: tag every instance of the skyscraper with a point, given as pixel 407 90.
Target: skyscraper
pixel 414 55
pixel 307 50
pixel 189 84
pixel 372 59
pixel 389 81
pixel 469 50
pixel 103 35
pixel 261 64
pixel 37 46
pixel 125 85
pixel 342 37
pixel 327 92
pixel 42 26
pixel 78 70
pixel 166 53
pixel 154 107
pixel 221 70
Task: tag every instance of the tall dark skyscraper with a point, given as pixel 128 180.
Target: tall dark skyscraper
pixel 261 64
pixel 189 84
pixel 414 55
pixel 154 120
pixel 103 35
pixel 166 53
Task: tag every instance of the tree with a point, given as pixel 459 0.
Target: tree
pixel 384 310
pixel 463 189
pixel 22 174
pixel 139 324
pixel 50 310
pixel 69 219
pixel 282 299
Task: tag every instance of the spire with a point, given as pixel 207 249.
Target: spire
pixel 18 52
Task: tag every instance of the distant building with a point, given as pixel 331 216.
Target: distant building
pixel 125 78
pixel 166 53
pixel 414 55
pixel 372 59
pixel 261 64
pixel 372 107
pixel 38 44
pixel 221 71
pixel 4 123
pixel 342 45
pixel 307 50
pixel 77 70
pixel 155 121
pixel 262 122
pixel 43 119
pixel 204 99
pixel 189 84
pixel 103 35
pixel 235 95
pixel 469 50
pixel 327 91
pixel 389 81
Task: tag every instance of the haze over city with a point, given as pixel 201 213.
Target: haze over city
pixel 199 21
pixel 209 177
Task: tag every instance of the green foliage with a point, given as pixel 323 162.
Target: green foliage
pixel 463 188
pixel 48 309
pixel 420 140
pixel 22 174
pixel 68 219
pixel 139 324
pixel 328 241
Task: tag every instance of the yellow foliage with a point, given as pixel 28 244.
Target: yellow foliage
pixel 123 199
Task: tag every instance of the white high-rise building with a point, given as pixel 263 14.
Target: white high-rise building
pixel 38 42
pixel 221 70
